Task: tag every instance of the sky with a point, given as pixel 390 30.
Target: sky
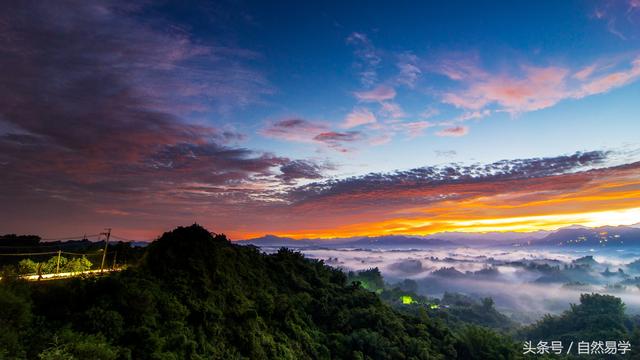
pixel 320 120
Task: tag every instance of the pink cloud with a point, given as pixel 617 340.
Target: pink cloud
pixel 304 131
pixel 454 131
pixel 359 116
pixel 537 88
pixel 416 128
pixel 429 113
pixel 585 72
pixel 380 140
pixel 379 93
pixel 610 81
pixel 367 57
pixel 392 110
pixel 460 67
pixel 409 71
pixel 478 114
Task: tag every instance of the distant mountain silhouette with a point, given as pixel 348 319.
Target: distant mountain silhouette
pixel 574 235
pixel 592 237
pixel 395 240
pixel 490 238
pixel 366 242
pixel 272 240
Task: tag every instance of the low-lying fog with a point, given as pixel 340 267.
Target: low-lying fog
pixel 524 282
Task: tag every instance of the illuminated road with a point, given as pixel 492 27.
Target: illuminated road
pixel 66 275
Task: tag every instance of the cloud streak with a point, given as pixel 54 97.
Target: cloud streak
pixel 379 93
pixel 454 131
pixel 533 88
pixel 294 129
pixel 359 116
pixel 509 195
pixel 339 140
pixel 368 59
pixel 300 130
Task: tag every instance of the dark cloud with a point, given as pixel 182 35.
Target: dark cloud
pixel 231 136
pixel 290 124
pixel 94 108
pixel 301 130
pixel 294 129
pixel 300 169
pixel 432 176
pixel 337 140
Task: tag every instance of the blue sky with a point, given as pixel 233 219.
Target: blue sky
pixel 313 65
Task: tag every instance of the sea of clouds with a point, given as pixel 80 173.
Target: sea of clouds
pixel 525 282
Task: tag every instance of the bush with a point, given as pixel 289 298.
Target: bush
pixel 27 266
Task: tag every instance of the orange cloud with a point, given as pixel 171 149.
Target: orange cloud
pixel 608 196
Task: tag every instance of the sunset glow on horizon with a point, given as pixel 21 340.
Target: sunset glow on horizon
pixel 609 197
pixel 371 119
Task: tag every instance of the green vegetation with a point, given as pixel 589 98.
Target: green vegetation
pixel 194 295
pixel 28 266
pixel 456 310
pixel 463 310
pixel 77 255
pixel 597 317
pixel 407 300
pixel 370 279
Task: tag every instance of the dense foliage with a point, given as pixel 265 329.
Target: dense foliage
pixel 195 295
pixel 463 310
pixel 456 310
pixel 53 265
pixel 597 317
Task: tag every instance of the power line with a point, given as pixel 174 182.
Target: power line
pixel 77 237
pixel 54 252
pixel 106 234
pixel 81 254
pixel 81 237
pixel 37 246
pixel 30 254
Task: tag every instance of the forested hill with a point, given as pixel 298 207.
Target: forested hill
pixel 197 296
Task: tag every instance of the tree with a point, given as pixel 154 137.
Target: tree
pixel 15 320
pixel 51 265
pixel 27 266
pixel 597 317
pixel 370 279
pixel 77 265
pixel 69 345
pixel 478 343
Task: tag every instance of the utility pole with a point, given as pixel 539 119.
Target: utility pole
pixel 58 263
pixel 107 233
pixel 115 255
